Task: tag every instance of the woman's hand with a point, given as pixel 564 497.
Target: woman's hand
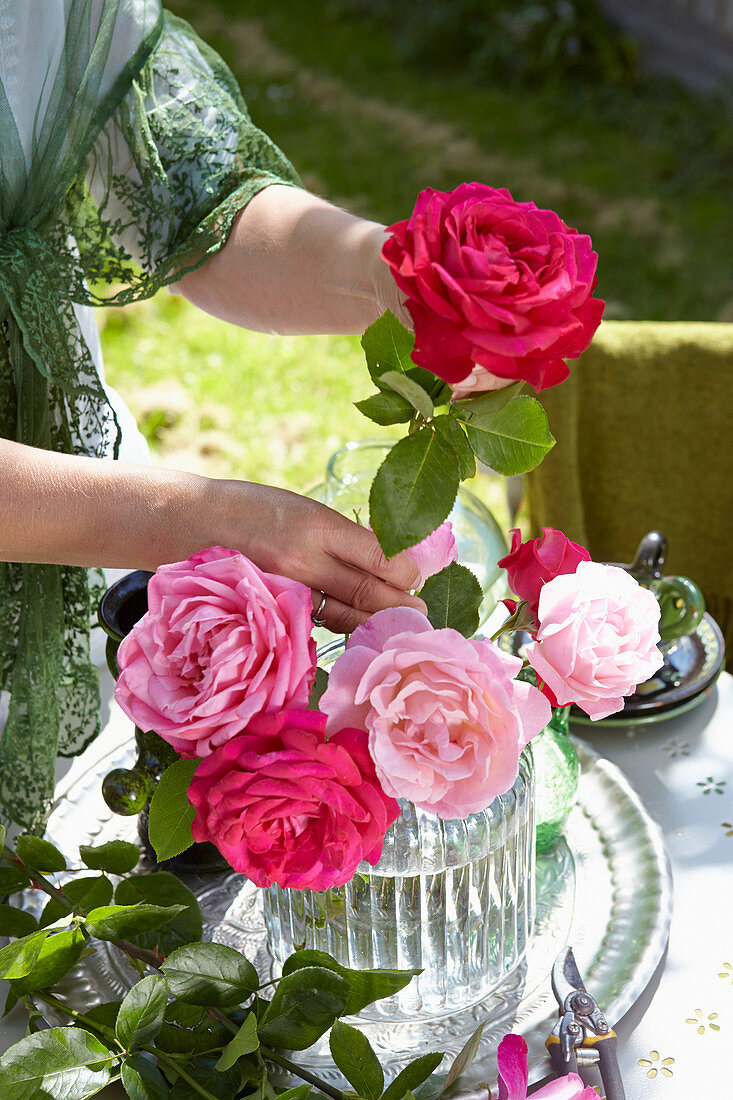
pixel 71 510
pixel 296 537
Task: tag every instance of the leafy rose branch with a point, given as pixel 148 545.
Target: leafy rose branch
pixel 200 1014
pixel 417 484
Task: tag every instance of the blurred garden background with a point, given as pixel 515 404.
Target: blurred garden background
pixel 373 100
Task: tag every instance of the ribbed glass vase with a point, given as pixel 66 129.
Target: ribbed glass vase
pixel 452 897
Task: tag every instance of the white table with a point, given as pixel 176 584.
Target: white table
pixel 675 1042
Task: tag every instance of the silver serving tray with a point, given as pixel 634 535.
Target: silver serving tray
pixel 606 889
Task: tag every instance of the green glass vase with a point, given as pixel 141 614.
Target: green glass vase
pixel 557 773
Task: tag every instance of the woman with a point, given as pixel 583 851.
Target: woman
pixel 129 163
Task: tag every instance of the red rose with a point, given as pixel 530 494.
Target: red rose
pixel 494 283
pixel 531 564
pixel 284 805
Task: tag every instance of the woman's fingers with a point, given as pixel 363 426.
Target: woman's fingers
pixel 302 539
pixel 336 616
pixel 361 591
pixel 359 546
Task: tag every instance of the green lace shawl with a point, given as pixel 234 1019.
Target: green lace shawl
pixel 128 189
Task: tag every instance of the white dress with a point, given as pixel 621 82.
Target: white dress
pixel 32 36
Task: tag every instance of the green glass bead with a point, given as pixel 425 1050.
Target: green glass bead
pixel 126 790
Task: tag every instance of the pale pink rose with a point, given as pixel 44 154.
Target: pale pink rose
pixel 445 716
pixel 597 639
pixel 284 805
pixel 477 382
pixel 434 552
pixel 221 642
pixel 511 1059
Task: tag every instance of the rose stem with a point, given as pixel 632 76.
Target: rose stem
pixel 270 1056
pixel 47 998
pixel 152 960
pixel 42 883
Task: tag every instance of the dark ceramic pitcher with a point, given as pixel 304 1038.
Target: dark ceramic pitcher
pixel 128 791
pixel 681 603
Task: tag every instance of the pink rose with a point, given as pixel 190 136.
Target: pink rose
pixel 531 564
pixel 221 642
pixel 597 638
pixel 477 382
pixel 445 716
pixel 511 1059
pixel 494 283
pixel 284 805
pixel 434 552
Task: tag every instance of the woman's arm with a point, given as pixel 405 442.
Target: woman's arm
pixel 87 511
pixel 295 264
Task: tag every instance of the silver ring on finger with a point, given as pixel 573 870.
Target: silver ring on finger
pixel 317 615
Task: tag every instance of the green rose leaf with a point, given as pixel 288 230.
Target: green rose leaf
pixel 513 440
pixel 12 880
pixel 244 1042
pixel 386 408
pixel 163 888
pixel 210 974
pixel 490 402
pixel 387 345
pixel 118 922
pixel 57 956
pixel 413 1075
pixel 319 686
pixel 203 1070
pixel 409 389
pixel 298 1093
pixel 62 1063
pixel 465 1056
pixel 171 814
pixel 352 1052
pixel 105 1015
pixel 413 490
pixel 85 894
pixel 365 986
pixel 304 1006
pixel 450 428
pixel 118 856
pixel 189 1029
pixel 142 1080
pixel 432 1089
pixel 16 922
pixel 453 597
pixel 437 390
pixel 39 854
pixel 142 1012
pixel 19 957
pixel 520 619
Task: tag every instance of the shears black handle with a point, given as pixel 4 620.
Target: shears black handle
pixel 605 1046
pixel 560 1067
pixel 613 1086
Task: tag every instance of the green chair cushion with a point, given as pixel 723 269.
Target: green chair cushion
pixel 645 441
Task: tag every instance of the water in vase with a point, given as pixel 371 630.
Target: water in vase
pixel 454 898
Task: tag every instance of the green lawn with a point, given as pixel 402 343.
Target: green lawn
pixel 645 170
pixel 249 405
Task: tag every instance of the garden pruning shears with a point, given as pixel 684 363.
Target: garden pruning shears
pixel 581 1036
